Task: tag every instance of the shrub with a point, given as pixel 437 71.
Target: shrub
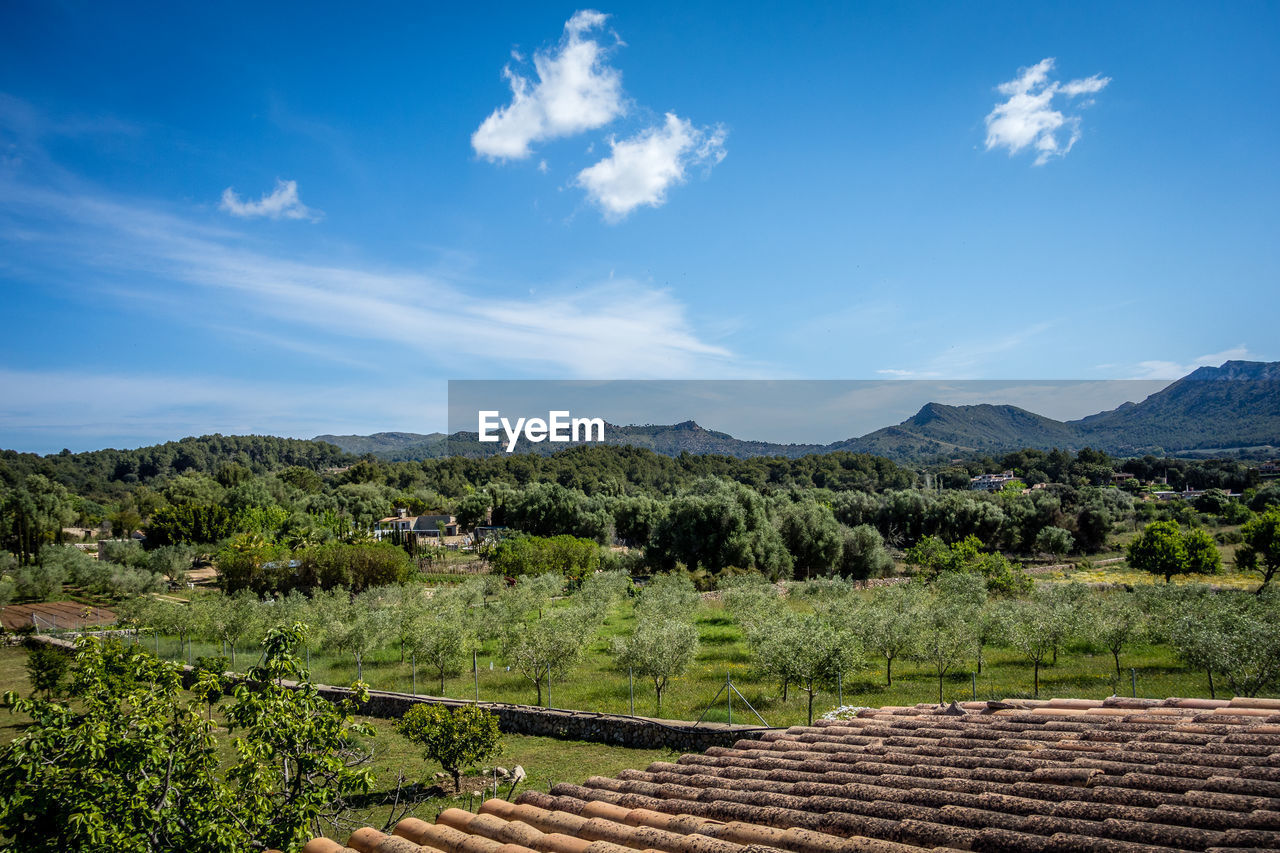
pixel 456 738
pixel 47 668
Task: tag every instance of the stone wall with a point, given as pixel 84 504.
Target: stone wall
pixel 613 729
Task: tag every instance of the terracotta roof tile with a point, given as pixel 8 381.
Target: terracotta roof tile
pixel 1119 775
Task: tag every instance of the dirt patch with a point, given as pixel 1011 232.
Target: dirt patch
pixel 55 615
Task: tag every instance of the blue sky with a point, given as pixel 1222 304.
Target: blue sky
pixel 304 218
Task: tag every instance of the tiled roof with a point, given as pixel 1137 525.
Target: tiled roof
pixel 1058 776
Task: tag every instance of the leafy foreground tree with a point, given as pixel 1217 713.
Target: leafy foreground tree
pixel 133 766
pixel 457 738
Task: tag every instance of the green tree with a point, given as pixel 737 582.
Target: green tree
pixel 548 646
pixel 862 553
pixel 1160 550
pixel 812 537
pixel 1202 552
pixel 658 649
pixel 444 635
pixel 355 625
pixel 132 766
pixel 457 738
pixel 1116 621
pixel 826 653
pixel 1033 633
pixel 890 624
pixel 948 627
pixel 1054 541
pixel 47 668
pixel 1260 551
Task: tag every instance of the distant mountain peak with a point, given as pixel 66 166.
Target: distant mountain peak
pixel 1245 370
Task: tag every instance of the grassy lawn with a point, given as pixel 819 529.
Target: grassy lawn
pixel 547 761
pixel 596 684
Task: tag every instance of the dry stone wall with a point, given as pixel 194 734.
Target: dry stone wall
pixel 613 729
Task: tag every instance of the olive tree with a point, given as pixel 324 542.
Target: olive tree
pixel 659 649
pixel 1031 632
pixel 547 647
pixel 1116 621
pixel 889 624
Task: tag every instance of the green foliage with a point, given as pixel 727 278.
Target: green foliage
pixel 659 649
pixel 249 562
pixel 133 767
pixel 949 621
pixel 716 525
pixel 47 668
pixel 39 581
pixel 968 555
pixel 1163 549
pixel 889 624
pixel 862 553
pixel 1054 541
pixel 812 536
pixel 355 566
pixel 1115 623
pixel 1033 633
pixel 571 557
pixel 456 738
pixel 199 524
pixel 1260 550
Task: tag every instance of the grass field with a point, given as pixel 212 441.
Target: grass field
pixel 597 685
pixel 547 761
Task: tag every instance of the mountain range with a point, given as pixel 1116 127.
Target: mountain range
pixel 1234 407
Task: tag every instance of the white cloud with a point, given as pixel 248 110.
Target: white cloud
pixel 1176 370
pixel 619 328
pixel 640 170
pixel 576 90
pixel 280 203
pixel 1028 117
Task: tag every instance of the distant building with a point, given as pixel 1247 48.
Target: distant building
pixel 1270 468
pixel 416 526
pixel 991 482
pixel 1119 477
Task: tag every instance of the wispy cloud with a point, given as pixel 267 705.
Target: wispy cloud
pixel 576 90
pixel 640 170
pixel 141 408
pixel 280 203
pixel 969 359
pixel 616 328
pixel 1028 118
pixel 1157 369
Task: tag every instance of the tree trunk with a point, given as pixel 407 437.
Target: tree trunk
pixel 1212 694
pixel 940 685
pixel 1037 666
pixel 888 672
pixel 810 702
pixel 1116 654
pixel 441 681
pixel 456 772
